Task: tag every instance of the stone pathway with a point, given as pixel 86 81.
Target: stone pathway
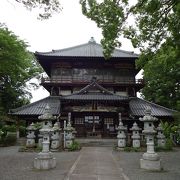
pixel 91 163
pixel 95 163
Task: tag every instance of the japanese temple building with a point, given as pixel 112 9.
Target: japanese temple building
pixel 93 89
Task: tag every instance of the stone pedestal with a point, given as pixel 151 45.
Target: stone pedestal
pixel 150 165
pixel 150 160
pixel 161 140
pixel 45 161
pixel 135 135
pixel 121 134
pixel 30 142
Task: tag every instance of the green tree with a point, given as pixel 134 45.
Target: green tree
pixel 110 16
pixel 17 66
pixel 155 31
pixel 162 76
pixel 154 21
pixel 46 7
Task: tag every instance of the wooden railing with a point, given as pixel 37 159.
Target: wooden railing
pixel 83 80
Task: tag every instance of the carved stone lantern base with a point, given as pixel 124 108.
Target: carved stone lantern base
pixel 151 165
pixel 30 143
pixel 55 145
pixel 121 143
pixel 151 161
pixel 45 161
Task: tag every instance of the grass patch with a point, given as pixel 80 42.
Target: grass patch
pixel 75 146
pixel 27 149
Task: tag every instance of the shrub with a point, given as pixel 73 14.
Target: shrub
pixel 127 149
pixel 1 133
pixel 132 149
pixel 9 139
pixel 9 128
pixel 22 131
pixel 38 125
pixel 74 146
pixel 168 146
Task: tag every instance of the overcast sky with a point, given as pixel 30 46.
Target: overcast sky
pixel 66 29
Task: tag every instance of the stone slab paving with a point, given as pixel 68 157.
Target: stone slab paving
pixel 91 163
pixel 129 162
pixel 16 165
pixel 95 163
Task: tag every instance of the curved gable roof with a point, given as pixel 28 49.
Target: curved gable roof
pixel 94 91
pixel 90 49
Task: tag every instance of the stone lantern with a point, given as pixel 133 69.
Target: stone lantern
pixel 40 139
pixel 150 159
pixel 68 133
pixel 55 137
pixel 161 140
pixel 45 159
pixel 30 142
pixel 121 134
pixel 135 135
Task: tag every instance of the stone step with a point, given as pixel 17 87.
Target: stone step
pixel 97 142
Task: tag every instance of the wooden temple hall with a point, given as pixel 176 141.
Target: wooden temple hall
pixel 93 89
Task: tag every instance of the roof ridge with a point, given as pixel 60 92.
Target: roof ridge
pixel 85 44
pixel 67 48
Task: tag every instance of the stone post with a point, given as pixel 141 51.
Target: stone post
pixel 121 134
pixel 161 140
pixel 135 135
pixel 55 138
pixel 40 139
pixel 30 142
pixel 45 159
pixel 68 132
pixel 150 160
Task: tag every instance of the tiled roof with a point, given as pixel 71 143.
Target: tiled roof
pixel 138 107
pixel 94 91
pixel 99 97
pixel 94 86
pixel 37 108
pixel 90 49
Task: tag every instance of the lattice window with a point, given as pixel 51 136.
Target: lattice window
pixel 108 120
pixel 90 119
pixel 79 120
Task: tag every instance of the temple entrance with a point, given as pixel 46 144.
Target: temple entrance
pixel 95 124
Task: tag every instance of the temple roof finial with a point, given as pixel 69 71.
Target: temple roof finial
pixel 92 40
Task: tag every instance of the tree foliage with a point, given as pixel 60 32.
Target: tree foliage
pixel 46 7
pixel 155 31
pixel 110 17
pixel 162 76
pixel 17 66
pixel 154 21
